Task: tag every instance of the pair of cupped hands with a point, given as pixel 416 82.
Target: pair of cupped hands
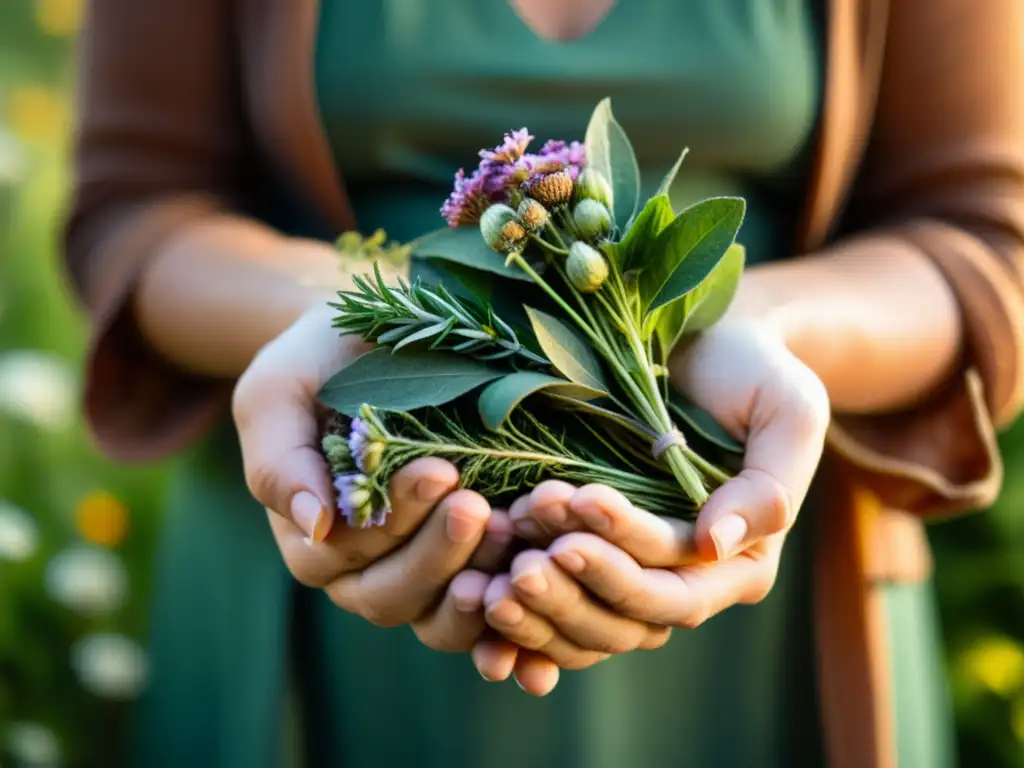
pixel 597 576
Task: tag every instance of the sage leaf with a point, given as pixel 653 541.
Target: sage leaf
pixel 688 250
pixel 666 183
pixel 404 381
pixel 499 398
pixel 466 246
pixel 631 252
pixel 703 423
pixel 609 151
pixel 570 355
pixel 704 305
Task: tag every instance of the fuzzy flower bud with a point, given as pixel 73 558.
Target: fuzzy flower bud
pixel 532 215
pixel 373 452
pixel 501 229
pixel 591 219
pixel 339 457
pixel 586 268
pixel 592 185
pixel 553 189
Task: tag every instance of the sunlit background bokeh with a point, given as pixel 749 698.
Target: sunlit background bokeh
pixel 77 533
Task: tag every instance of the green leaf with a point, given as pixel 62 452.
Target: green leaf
pixel 500 397
pixel 703 423
pixel 689 249
pixel 610 152
pixel 403 381
pixel 466 246
pixel 704 305
pixel 639 240
pixel 569 354
pixel 666 183
pixel 709 301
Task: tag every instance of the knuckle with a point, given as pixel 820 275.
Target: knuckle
pixel 656 638
pixel 631 602
pixel 761 587
pixel 434 639
pixel 777 506
pixel 813 412
pixel 382 615
pixel 620 642
pixel 579 661
pixel 261 480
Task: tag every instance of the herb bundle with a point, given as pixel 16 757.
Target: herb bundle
pixel 534 337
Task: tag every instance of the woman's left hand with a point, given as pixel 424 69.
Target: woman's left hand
pixel 616 578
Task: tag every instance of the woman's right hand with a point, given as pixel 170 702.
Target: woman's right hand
pixel 428 566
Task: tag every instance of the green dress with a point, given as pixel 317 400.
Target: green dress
pixel 250 671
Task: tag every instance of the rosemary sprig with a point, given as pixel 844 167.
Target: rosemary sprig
pixel 403 315
pixel 519 456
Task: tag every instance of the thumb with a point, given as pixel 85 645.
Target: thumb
pixel 279 438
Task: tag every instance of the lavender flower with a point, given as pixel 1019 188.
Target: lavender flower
pixel 513 147
pixel 467 201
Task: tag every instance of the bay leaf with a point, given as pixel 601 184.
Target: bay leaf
pixel 570 355
pixel 403 381
pixel 610 152
pixel 466 246
pixel 688 249
pixel 703 423
pixel 499 398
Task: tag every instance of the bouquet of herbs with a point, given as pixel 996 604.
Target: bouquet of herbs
pixel 533 338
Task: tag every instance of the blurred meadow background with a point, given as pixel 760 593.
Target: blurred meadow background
pixel 77 533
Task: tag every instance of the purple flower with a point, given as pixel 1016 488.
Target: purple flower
pixel 355 501
pixel 467 201
pixel 511 149
pixel 358 437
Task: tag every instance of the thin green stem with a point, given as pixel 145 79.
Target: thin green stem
pixel 549 246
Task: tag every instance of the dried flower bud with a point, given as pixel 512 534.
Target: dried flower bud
pixel 591 219
pixel 533 215
pixel 553 189
pixel 586 268
pixel 592 185
pixel 501 229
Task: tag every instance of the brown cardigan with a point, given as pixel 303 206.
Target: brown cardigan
pixel 189 106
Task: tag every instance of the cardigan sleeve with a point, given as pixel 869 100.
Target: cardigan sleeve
pixel 158 147
pixel 944 173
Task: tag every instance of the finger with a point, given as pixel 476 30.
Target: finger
pixel 535 673
pixel 495 549
pixel 681 597
pixel 458 622
pixel 506 615
pixel 415 490
pixel 788 422
pixel 278 436
pixel 652 540
pixel 400 587
pixel 494 658
pixel 546 590
pixel 543 514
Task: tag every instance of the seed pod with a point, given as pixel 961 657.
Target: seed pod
pixel 586 268
pixel 532 215
pixel 592 185
pixel 591 219
pixel 553 189
pixel 501 229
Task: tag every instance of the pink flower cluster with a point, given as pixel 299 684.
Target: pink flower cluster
pixel 505 168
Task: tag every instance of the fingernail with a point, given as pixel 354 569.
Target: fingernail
pixel 507 612
pixel 528 529
pixel 532 583
pixel 594 517
pixel 573 562
pixel 728 534
pixel 310 515
pixel 461 528
pixel 554 514
pixel 467 604
pixel 430 489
